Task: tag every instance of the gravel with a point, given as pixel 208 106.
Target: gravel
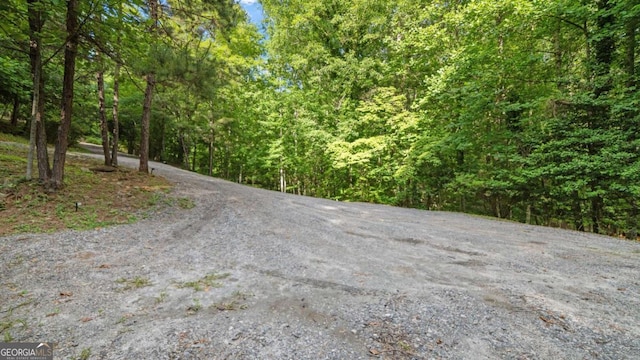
pixel 254 274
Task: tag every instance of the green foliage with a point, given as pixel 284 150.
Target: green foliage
pixel 518 109
pixel 503 108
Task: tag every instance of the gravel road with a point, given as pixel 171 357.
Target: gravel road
pixel 255 274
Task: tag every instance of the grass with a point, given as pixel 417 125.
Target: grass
pixel 103 198
pixel 205 283
pixel 13 138
pixel 186 203
pixel 134 283
pixel 195 307
pixel 162 297
pixel 8 322
pixel 237 302
pixel 85 354
pixel 7 325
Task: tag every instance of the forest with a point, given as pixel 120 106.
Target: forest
pixel 524 110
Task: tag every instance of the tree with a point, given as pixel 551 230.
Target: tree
pixel 104 128
pixel 71 49
pixel 116 121
pixel 37 134
pixel 148 94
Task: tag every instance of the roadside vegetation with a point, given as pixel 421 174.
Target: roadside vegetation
pixel 90 199
pixel 519 110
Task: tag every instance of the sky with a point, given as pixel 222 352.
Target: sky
pixel 254 9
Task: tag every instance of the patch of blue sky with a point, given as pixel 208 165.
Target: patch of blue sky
pixel 254 10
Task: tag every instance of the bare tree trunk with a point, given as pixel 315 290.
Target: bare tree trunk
pixel 70 52
pixel 604 46
pixel 211 140
pixel 148 97
pixel 116 124
pixel 104 127
pixel 144 125
pixel 14 111
pixel 195 153
pixel 630 60
pixel 185 151
pixel 35 55
pixel 283 181
pixel 36 116
pixel 116 100
pixel 44 169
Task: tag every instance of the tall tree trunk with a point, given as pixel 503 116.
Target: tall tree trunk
pixel 211 140
pixel 35 114
pixel 630 60
pixel 163 139
pixel 632 222
pixel 116 100
pixel 70 52
pixel 283 180
pixel 185 151
pixel 195 153
pixel 14 111
pixel 604 48
pixel 558 54
pixel 630 125
pixel 44 169
pixel 35 55
pixel 148 96
pixel 116 124
pixel 104 127
pixel 144 124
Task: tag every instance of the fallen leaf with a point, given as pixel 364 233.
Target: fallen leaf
pixel 86 319
pixel 374 352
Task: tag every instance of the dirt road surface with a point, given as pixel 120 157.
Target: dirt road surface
pixel 255 274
